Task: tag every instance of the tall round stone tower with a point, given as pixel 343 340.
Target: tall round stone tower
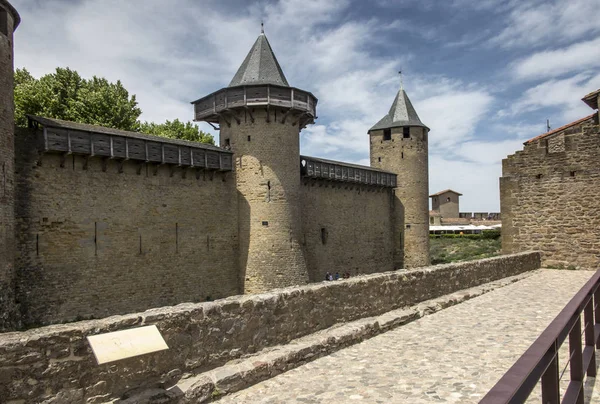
pixel 9 20
pixel 399 144
pixel 260 118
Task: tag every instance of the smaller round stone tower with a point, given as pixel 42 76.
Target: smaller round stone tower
pixel 9 20
pixel 398 143
pixel 260 118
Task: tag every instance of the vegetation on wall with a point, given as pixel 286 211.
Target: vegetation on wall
pixel 65 95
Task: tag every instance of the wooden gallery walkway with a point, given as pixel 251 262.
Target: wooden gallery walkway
pixel 453 356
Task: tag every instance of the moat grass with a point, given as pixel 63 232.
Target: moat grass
pixel 446 250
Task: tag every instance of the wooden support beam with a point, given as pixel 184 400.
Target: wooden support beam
pixel 235 116
pixel 104 164
pixel 222 116
pixel 286 115
pixel 250 113
pixel 86 160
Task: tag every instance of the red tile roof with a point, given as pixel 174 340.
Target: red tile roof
pixel 443 192
pixel 543 135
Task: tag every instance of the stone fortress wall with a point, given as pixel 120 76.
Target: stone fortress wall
pixel 548 194
pixel 93 241
pixel 9 20
pixel 60 367
pixel 347 228
pixel 109 222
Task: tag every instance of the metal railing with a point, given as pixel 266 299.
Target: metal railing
pixel 540 361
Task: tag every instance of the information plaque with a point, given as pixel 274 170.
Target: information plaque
pixel 117 345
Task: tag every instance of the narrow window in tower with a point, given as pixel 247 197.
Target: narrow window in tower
pixel 227 144
pixel 3 22
pixel 268 191
pixel 387 134
pixel 379 159
pixel 408 226
pixel 323 235
pixel 248 137
pixel 402 154
pixel 406 132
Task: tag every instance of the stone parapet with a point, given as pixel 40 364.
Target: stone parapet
pixel 61 368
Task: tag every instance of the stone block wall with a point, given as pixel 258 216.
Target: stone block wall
pixel 8 21
pixel 56 364
pixel 96 238
pixel 548 197
pixel 347 228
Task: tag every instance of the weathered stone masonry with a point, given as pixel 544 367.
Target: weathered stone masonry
pixel 9 20
pixel 99 236
pixel 549 197
pixel 206 335
pixel 109 222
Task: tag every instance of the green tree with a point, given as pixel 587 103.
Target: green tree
pixel 65 95
pixel 177 130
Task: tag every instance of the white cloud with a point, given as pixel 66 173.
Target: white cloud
pixel 534 23
pixel 552 63
pixel 563 95
pixel 171 55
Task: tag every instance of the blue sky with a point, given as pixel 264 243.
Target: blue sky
pixel 484 75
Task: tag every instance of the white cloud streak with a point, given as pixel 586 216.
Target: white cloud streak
pixel 553 63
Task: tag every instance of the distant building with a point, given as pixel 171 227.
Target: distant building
pixel 446 203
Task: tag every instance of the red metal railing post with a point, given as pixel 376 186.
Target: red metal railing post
pixel 540 361
pixel 576 363
pixel 550 388
pixel 590 336
pixel 597 313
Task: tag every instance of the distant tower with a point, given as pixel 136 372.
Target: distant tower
pixel 399 144
pixel 260 118
pixel 9 20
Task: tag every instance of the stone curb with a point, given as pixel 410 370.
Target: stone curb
pixel 242 373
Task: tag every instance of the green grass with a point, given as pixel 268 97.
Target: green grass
pixel 446 250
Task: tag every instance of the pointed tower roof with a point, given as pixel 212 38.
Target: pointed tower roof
pixel 260 66
pixel 402 113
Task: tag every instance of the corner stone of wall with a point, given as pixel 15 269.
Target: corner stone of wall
pixel 206 335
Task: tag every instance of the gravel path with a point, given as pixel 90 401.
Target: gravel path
pixel 453 356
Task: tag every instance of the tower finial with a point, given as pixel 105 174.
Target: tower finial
pixel 262 27
pixel 401 81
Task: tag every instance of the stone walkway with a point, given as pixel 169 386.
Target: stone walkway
pixel 453 356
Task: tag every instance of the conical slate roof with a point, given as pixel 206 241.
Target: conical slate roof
pixel 402 113
pixel 260 66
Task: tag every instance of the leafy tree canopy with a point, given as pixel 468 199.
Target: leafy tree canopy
pixel 64 94
pixel 177 130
